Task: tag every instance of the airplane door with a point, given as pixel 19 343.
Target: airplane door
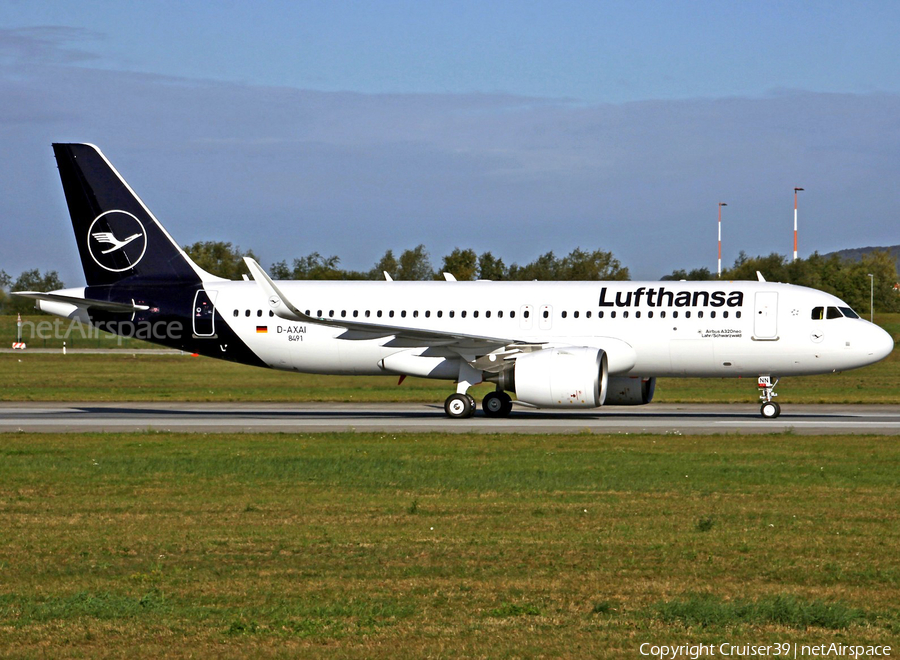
pixel 204 313
pixel 545 317
pixel 525 320
pixel 765 315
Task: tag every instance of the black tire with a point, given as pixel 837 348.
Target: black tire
pixel 770 410
pixel 458 406
pixel 497 404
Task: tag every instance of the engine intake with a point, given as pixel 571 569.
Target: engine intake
pixel 574 377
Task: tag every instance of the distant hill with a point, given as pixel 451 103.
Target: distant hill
pixel 854 254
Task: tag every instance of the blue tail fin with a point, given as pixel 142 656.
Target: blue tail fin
pixel 118 238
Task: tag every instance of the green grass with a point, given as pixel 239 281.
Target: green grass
pixel 45 331
pixel 133 377
pixel 123 376
pixel 429 545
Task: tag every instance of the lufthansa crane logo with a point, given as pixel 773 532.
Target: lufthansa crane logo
pixel 117 241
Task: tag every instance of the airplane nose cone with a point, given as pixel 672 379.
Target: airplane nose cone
pixel 880 343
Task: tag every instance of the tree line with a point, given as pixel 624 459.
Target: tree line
pixel 226 260
pixel 846 279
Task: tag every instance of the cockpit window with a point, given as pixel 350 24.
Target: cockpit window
pixel 849 313
pixel 834 313
pixel 818 313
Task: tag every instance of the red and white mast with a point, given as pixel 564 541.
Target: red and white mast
pixel 796 190
pixel 719 271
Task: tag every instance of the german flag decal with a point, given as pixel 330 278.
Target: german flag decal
pixel 262 329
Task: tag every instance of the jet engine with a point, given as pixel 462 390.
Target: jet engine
pixel 572 377
pixel 629 390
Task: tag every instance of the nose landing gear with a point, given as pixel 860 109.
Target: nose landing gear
pixel 769 409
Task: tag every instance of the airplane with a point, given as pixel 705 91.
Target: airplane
pixel 562 345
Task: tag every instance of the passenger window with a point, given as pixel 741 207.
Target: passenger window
pixel 612 314
pixel 512 315
pixel 675 314
pixel 500 314
pixel 452 313
pixel 403 314
pixel 625 314
pixel 355 313
pixel 247 313
pixel 725 314
pixel 271 313
pixel 737 314
pixel 818 313
pixel 343 313
pixel 379 313
pixel 662 314
pixel 700 314
pixel 575 314
pixel 526 313
pixel 391 313
pixel 834 313
pixel 546 314
pixel 440 313
pixel 463 313
pixel 587 314
pixel 687 315
pixel 563 314
pixel 637 315
pixel 368 313
pixel 650 315
pixel 487 314
pixel 235 312
pixel 475 313
pixel 600 314
pixel 712 314
pixel 427 313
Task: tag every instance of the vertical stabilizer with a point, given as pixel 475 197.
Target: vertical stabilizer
pixel 118 238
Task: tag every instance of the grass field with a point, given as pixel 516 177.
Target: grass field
pixel 127 377
pixel 435 546
pixel 124 376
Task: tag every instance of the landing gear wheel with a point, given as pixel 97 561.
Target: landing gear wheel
pixel 497 404
pixel 472 401
pixel 770 410
pixel 459 406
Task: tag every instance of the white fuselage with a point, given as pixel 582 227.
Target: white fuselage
pixel 670 329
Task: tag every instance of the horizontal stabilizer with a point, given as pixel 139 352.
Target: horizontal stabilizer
pixel 83 303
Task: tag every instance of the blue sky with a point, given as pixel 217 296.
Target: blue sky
pixel 350 128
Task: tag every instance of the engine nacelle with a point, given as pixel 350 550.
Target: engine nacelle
pixel 629 390
pixel 574 377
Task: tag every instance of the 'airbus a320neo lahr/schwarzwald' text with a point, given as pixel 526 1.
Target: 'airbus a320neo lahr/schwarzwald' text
pixel 568 345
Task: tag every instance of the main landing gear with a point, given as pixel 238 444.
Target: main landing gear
pixel 497 404
pixel 461 406
pixel 769 409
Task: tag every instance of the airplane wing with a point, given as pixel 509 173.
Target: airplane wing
pixel 463 343
pixel 84 303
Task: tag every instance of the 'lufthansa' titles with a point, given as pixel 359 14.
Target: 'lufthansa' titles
pixel 660 297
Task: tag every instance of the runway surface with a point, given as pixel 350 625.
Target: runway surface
pixel 401 417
